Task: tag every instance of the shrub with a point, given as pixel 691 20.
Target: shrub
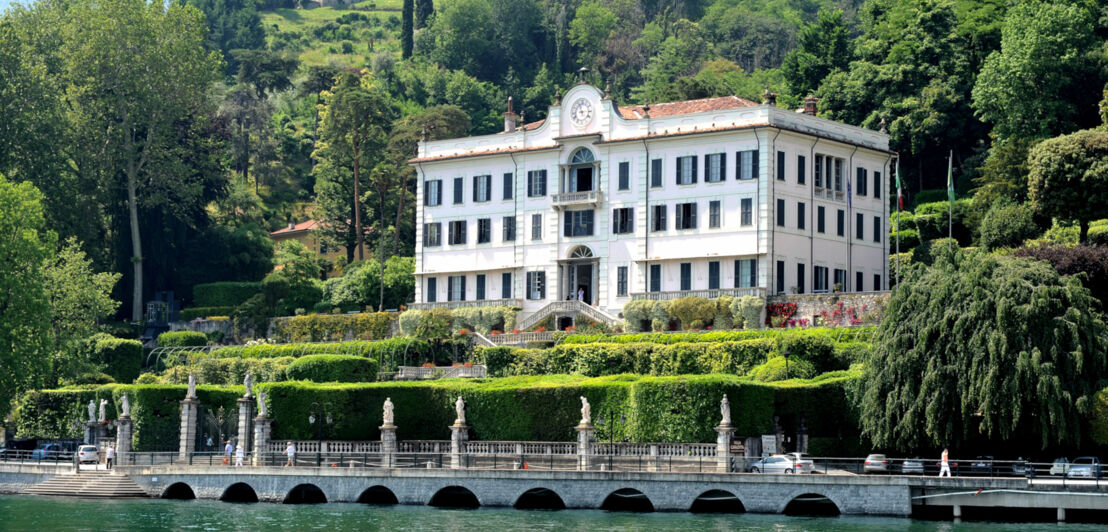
pixel 692 311
pixel 1006 225
pixel 497 359
pixel 1098 419
pixel 333 368
pixel 638 312
pixel 723 320
pixel 1098 233
pixel 928 252
pixel 600 359
pixel 1089 261
pixel 484 319
pixel 122 358
pixel 750 308
pixel 815 348
pixel 409 321
pixel 148 378
pixel 88 377
pixel 324 327
pixel 389 353
pixel 774 370
pixel 193 313
pixel 182 339
pixel 229 371
pixel 435 323
pixel 909 238
pixel 225 294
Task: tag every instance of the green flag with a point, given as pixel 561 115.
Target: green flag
pixel 950 177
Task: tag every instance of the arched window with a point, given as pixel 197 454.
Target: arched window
pixel 581 156
pixel 581 252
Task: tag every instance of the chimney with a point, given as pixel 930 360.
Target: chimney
pixel 769 98
pixel 811 105
pixel 510 118
pixel 292 225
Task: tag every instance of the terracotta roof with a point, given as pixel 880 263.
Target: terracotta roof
pixel 534 125
pixel 658 110
pixel 295 228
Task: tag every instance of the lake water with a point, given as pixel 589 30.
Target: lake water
pixel 25 512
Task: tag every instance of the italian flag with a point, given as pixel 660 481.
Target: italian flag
pixel 899 191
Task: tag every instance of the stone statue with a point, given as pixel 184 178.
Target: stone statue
pixel 388 411
pixel 725 409
pixel 126 402
pixel 249 383
pixel 91 411
pixel 103 410
pixel 192 387
pixel 460 408
pixel 586 411
pixel 263 410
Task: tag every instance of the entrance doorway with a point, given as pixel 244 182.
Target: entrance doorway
pixel 581 278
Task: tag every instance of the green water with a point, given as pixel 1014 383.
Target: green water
pixel 63 514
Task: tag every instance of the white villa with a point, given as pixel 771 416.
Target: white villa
pixel 607 204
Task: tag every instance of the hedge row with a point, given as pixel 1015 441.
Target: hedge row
pixel 390 353
pixel 122 358
pixel 229 371
pixel 324 327
pixel 193 313
pixel 853 334
pixel 225 294
pixel 333 368
pixel 182 339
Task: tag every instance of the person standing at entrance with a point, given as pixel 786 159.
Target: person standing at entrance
pixel 581 295
pixel 945 464
pixel 111 457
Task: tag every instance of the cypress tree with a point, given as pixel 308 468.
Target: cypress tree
pixel 406 30
pixel 424 9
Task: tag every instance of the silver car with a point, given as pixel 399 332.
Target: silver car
pixel 88 454
pixel 912 466
pixel 1085 467
pixel 876 463
pixel 775 464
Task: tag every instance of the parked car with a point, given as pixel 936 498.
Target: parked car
pixel 982 465
pixel 803 461
pixel 911 466
pixel 87 454
pixel 50 451
pixel 778 463
pixel 1021 466
pixel 1085 467
pixel 876 463
pixel 1061 466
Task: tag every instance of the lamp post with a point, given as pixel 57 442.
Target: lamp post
pixel 611 422
pixel 324 417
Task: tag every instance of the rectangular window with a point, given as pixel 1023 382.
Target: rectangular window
pixel 536 227
pixel 820 225
pixel 801 214
pixel 625 175
pixel 536 183
pixel 457 233
pixel 863 182
pixel 685 213
pixel 623 220
pixel 480 295
pixel 781 213
pixel 509 185
pixel 877 229
pixel 686 170
pixel 655 277
pixel 432 193
pixel 713 213
pixel 482 188
pixel 578 223
pixel 432 290
pixel 819 279
pixel 819 171
pixel 859 278
pixel 780 166
pixel 747 217
pixel 840 228
pixel 859 229
pixel 838 175
pixel 713 275
pixel 746 273
pixel 780 277
pixel 658 218
pixel 656 173
pixel 432 234
pixel 746 164
pixel 621 281
pixel 800 269
pixel 715 167
pixel 459 190
pixel 840 279
pixel 509 228
pixel 876 282
pixel 686 276
pixel 506 285
pixel 484 230
pixel 456 288
pixel 536 285
pixel 800 169
pixel 876 185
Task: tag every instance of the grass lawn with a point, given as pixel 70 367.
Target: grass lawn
pixel 318 52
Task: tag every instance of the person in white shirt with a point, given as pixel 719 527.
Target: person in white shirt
pixel 227 450
pixel 945 464
pixel 291 452
pixel 239 454
pixel 111 457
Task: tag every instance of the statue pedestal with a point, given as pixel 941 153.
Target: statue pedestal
pixel 187 444
pixel 388 443
pixel 262 427
pixel 586 435
pixel 459 435
pixel 246 416
pixel 94 432
pixel 122 438
pixel 723 447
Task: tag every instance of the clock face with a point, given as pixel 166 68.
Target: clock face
pixel 581 112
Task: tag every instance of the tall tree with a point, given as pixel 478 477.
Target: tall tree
pixel 134 69
pixel 406 29
pixel 822 48
pixel 1069 177
pixel 233 25
pixel 423 11
pixel 590 27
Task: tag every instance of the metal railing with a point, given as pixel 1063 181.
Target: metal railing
pixel 475 371
pixel 465 304
pixel 570 305
pixel 708 294
pixel 521 338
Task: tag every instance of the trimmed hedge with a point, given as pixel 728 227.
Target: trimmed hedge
pixel 193 313
pixel 324 327
pixel 333 368
pixel 230 371
pixel 843 334
pixel 122 358
pixel 224 294
pixel 389 353
pixel 182 339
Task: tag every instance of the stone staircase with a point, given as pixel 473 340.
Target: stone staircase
pixel 89 484
pixel 569 306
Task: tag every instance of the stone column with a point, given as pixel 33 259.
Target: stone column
pixel 262 427
pixel 724 432
pixel 459 435
pixel 189 407
pixel 122 438
pixel 246 416
pixel 586 435
pixel 388 443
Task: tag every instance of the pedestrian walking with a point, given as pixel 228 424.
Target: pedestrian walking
pixel 227 453
pixel 291 452
pixel 239 454
pixel 945 464
pixel 76 463
pixel 111 457
pixel 210 443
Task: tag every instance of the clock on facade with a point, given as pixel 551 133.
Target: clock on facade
pixel 581 112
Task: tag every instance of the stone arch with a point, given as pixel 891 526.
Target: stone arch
pixel 539 499
pixel 812 504
pixel 305 494
pixel 627 500
pixel 378 495
pixel 179 491
pixel 454 497
pixel 239 492
pixel 717 502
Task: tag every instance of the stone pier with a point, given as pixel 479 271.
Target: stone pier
pixel 246 417
pixel 586 437
pixel 189 408
pixel 262 431
pixel 459 435
pixel 123 433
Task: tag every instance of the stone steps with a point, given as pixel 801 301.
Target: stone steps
pixel 89 484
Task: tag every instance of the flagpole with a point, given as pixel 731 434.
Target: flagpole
pixel 898 220
pixel 950 196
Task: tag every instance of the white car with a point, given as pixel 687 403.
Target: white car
pixel 780 463
pixel 804 462
pixel 88 454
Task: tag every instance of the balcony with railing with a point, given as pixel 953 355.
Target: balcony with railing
pixel 515 302
pixel 707 294
pixel 571 199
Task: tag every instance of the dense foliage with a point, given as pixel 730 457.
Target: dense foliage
pixel 333 368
